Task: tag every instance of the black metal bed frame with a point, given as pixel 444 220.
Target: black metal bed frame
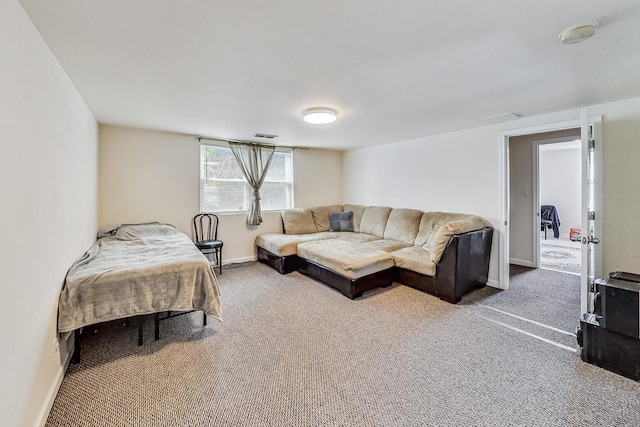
pixel 105 327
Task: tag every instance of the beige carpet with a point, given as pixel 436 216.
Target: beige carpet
pixel 293 352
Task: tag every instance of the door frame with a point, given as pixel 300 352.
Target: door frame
pixel 505 199
pixel 593 271
pixel 535 191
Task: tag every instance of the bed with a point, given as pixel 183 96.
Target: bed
pixel 137 270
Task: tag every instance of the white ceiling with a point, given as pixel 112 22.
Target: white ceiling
pixel 394 70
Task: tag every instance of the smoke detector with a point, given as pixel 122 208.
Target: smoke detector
pixel 578 33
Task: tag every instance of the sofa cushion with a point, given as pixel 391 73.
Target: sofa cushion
pixel 384 245
pixel 403 225
pixel 286 244
pixel 340 221
pixel 299 221
pixel 415 258
pixel 357 210
pixel 321 216
pixel 448 225
pixel 358 238
pixel 426 227
pixel 374 220
pixel 345 258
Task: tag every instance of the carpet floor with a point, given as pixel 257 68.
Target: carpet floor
pixel 294 352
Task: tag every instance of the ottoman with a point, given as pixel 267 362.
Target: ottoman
pixel 346 266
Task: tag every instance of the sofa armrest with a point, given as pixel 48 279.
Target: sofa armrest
pixel 464 264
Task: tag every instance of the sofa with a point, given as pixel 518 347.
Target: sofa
pixel 355 248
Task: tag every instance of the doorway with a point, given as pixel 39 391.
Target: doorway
pixel 557 201
pixel 591 137
pixel 539 165
pixel 578 289
pixel 529 189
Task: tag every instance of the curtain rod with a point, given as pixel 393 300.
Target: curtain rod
pixel 209 138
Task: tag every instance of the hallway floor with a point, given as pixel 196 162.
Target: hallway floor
pixel 560 254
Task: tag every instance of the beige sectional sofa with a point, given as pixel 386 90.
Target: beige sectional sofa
pixel 444 254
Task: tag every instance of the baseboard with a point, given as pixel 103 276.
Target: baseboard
pixel 522 262
pixel 240 260
pixel 494 284
pixel 55 386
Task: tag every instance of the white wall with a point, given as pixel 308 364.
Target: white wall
pixel 621 234
pixel 154 176
pixel 48 191
pixel 317 178
pixel 459 172
pixel 561 185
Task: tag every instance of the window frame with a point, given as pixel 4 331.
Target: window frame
pixel 236 212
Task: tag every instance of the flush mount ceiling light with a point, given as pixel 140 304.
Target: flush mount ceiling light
pixel 578 33
pixel 319 116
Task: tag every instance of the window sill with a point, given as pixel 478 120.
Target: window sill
pixel 229 213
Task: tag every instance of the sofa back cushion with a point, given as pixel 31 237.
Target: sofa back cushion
pixel 403 225
pixel 298 221
pixel 445 225
pixel 427 223
pixel 321 216
pixel 357 210
pixel 374 220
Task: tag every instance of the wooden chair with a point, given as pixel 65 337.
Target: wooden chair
pixel 205 231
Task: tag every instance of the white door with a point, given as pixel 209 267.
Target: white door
pixel 591 133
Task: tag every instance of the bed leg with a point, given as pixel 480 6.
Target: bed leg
pixel 75 359
pixel 140 329
pixel 156 325
pixel 204 319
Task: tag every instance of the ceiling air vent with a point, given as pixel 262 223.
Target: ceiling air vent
pixel 265 135
pixel 501 118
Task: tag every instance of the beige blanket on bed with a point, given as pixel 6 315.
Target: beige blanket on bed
pixel 142 269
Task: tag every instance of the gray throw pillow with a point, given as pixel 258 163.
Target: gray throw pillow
pixel 341 221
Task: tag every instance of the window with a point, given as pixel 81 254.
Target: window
pixel 224 189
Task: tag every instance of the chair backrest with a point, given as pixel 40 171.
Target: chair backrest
pixel 205 227
pixel 546 212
